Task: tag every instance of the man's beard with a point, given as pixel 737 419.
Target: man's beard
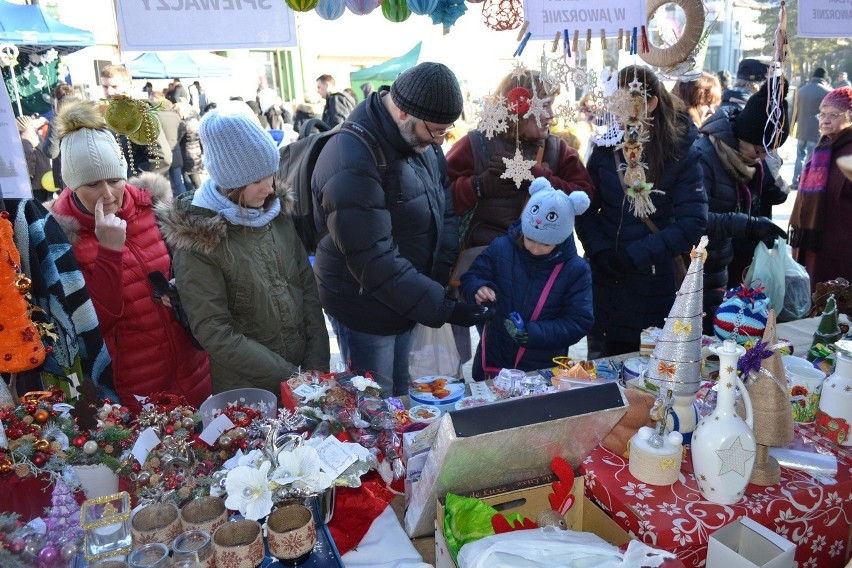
pixel 407 131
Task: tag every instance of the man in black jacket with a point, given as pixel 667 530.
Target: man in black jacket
pixel 338 105
pixel 390 237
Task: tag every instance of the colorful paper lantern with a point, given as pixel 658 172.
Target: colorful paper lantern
pixel 301 5
pixel 362 7
pixel 330 9
pixel 422 7
pixel 395 10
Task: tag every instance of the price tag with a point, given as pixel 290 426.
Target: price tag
pixel 481 390
pixel 334 456
pixel 216 428
pixel 147 441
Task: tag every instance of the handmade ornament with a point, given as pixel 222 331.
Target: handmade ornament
pixel 493 116
pixel 395 10
pixel 518 169
pixel 447 12
pixel 766 383
pixel 362 7
pixel 777 85
pixel 834 420
pixel 21 347
pixel 422 7
pixel 63 518
pixel 301 5
pixel 502 15
pixel 723 444
pixel 828 330
pixel 688 42
pixel 330 9
pixel 742 314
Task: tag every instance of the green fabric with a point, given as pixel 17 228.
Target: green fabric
pixel 33 82
pixel 467 519
pixel 252 303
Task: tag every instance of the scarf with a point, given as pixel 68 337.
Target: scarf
pixel 732 161
pixel 806 218
pixel 209 197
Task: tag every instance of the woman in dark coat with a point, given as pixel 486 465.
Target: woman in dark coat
pixel 633 269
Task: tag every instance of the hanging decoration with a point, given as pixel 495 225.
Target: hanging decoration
pixel 422 7
pixel 362 7
pixel 502 15
pixel 301 5
pixel 330 9
pixel 776 86
pixel 447 12
pixel 135 119
pixel 395 10
pixel 686 46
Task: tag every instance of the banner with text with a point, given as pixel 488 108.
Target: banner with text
pixel 546 17
pixel 825 18
pixel 163 25
pixel 14 176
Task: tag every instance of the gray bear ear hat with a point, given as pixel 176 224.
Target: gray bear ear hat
pixel 549 215
pixel 430 92
pixel 237 151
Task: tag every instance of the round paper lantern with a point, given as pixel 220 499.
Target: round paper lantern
pixel 330 9
pixel 502 15
pixel 301 5
pixel 395 10
pixel 362 7
pixel 422 7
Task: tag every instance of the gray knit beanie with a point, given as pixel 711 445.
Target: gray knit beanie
pixel 89 152
pixel 237 151
pixel 429 91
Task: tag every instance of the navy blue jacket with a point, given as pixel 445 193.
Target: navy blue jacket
pixel 387 255
pixel 518 278
pixel 644 296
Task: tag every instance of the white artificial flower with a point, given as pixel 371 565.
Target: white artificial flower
pixel 363 383
pixel 300 467
pixel 252 459
pixel 248 491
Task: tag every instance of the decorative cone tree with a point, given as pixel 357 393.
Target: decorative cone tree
pixel 63 517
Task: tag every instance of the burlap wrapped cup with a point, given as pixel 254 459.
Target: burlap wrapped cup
pixel 292 534
pixel 204 514
pixel 158 522
pixel 238 544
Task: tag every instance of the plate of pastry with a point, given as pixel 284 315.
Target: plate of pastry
pixel 436 390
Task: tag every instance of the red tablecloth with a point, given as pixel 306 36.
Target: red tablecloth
pixel 814 516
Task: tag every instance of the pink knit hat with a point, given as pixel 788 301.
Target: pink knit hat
pixel 840 98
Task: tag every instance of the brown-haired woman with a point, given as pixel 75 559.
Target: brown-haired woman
pixel 633 271
pixel 702 96
pixel 476 162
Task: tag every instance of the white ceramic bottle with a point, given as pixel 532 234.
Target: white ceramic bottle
pixel 834 418
pixel 723 444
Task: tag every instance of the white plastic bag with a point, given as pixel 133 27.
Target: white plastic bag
pixel 767 270
pixel 433 352
pixel 797 289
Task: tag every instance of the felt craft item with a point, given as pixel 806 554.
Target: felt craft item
pixel 355 509
pixel 21 347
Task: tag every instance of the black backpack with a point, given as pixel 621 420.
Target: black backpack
pixel 297 166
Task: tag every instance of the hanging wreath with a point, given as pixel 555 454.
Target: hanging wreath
pixel 693 30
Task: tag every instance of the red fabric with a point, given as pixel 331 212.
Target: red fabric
pixel 150 351
pixel 677 518
pixel 355 509
pixel 28 497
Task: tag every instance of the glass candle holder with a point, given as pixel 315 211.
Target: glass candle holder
pixel 194 546
pixel 106 522
pixel 151 555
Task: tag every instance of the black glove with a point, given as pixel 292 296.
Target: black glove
pixel 466 315
pixel 762 228
pixel 492 185
pixel 611 263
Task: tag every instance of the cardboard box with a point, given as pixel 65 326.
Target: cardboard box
pixel 510 441
pixel 745 543
pixel 529 501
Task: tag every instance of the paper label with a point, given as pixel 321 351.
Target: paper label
pixel 481 390
pixel 147 441
pixel 334 456
pixel 216 428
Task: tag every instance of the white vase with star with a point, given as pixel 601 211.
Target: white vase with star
pixel 723 444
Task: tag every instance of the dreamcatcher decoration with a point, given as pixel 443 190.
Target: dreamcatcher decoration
pixel 629 108
pixel 776 87
pixel 679 58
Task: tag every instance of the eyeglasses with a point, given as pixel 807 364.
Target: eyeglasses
pixel 831 116
pixel 440 134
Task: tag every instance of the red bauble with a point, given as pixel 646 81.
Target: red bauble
pixel 78 441
pixel 41 415
pixel 39 459
pixel 169 429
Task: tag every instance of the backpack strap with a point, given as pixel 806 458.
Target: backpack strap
pixel 372 145
pixel 551 152
pixel 480 151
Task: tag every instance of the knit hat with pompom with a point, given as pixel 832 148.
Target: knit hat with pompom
pixel 89 151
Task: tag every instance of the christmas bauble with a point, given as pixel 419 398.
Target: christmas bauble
pixel 124 115
pixel 69 550
pixel 148 132
pixel 48 555
pixel 188 423
pixel 395 10
pixel 90 447
pixel 78 441
pixel 41 415
pixel 39 459
pixel 5 465
pixel 41 445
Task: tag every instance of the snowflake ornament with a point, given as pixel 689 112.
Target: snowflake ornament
pixel 567 114
pixel 493 116
pixel 518 169
pixel 537 109
pixel 549 80
pixel 518 69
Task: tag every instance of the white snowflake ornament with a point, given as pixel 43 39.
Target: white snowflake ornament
pixel 537 108
pixel 518 169
pixel 493 116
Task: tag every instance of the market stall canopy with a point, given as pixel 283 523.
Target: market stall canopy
pixel 185 64
pixel 32 30
pixel 384 73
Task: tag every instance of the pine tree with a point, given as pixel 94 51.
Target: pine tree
pixel 63 517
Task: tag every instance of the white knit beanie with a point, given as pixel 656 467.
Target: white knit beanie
pixel 89 151
pixel 237 151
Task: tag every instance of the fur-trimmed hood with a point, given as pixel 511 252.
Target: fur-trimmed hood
pixel 185 226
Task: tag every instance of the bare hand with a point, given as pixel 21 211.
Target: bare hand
pixel 110 230
pixel 485 294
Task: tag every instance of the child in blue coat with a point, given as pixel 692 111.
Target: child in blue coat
pixel 540 286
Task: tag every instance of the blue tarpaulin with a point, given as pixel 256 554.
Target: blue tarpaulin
pixel 33 30
pixel 384 73
pixel 171 64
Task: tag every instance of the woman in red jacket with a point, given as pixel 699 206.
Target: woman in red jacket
pixel 117 242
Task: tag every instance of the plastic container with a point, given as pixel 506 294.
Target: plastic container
pixel 257 399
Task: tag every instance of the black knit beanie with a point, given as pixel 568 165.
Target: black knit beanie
pixel 429 91
pixel 751 123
